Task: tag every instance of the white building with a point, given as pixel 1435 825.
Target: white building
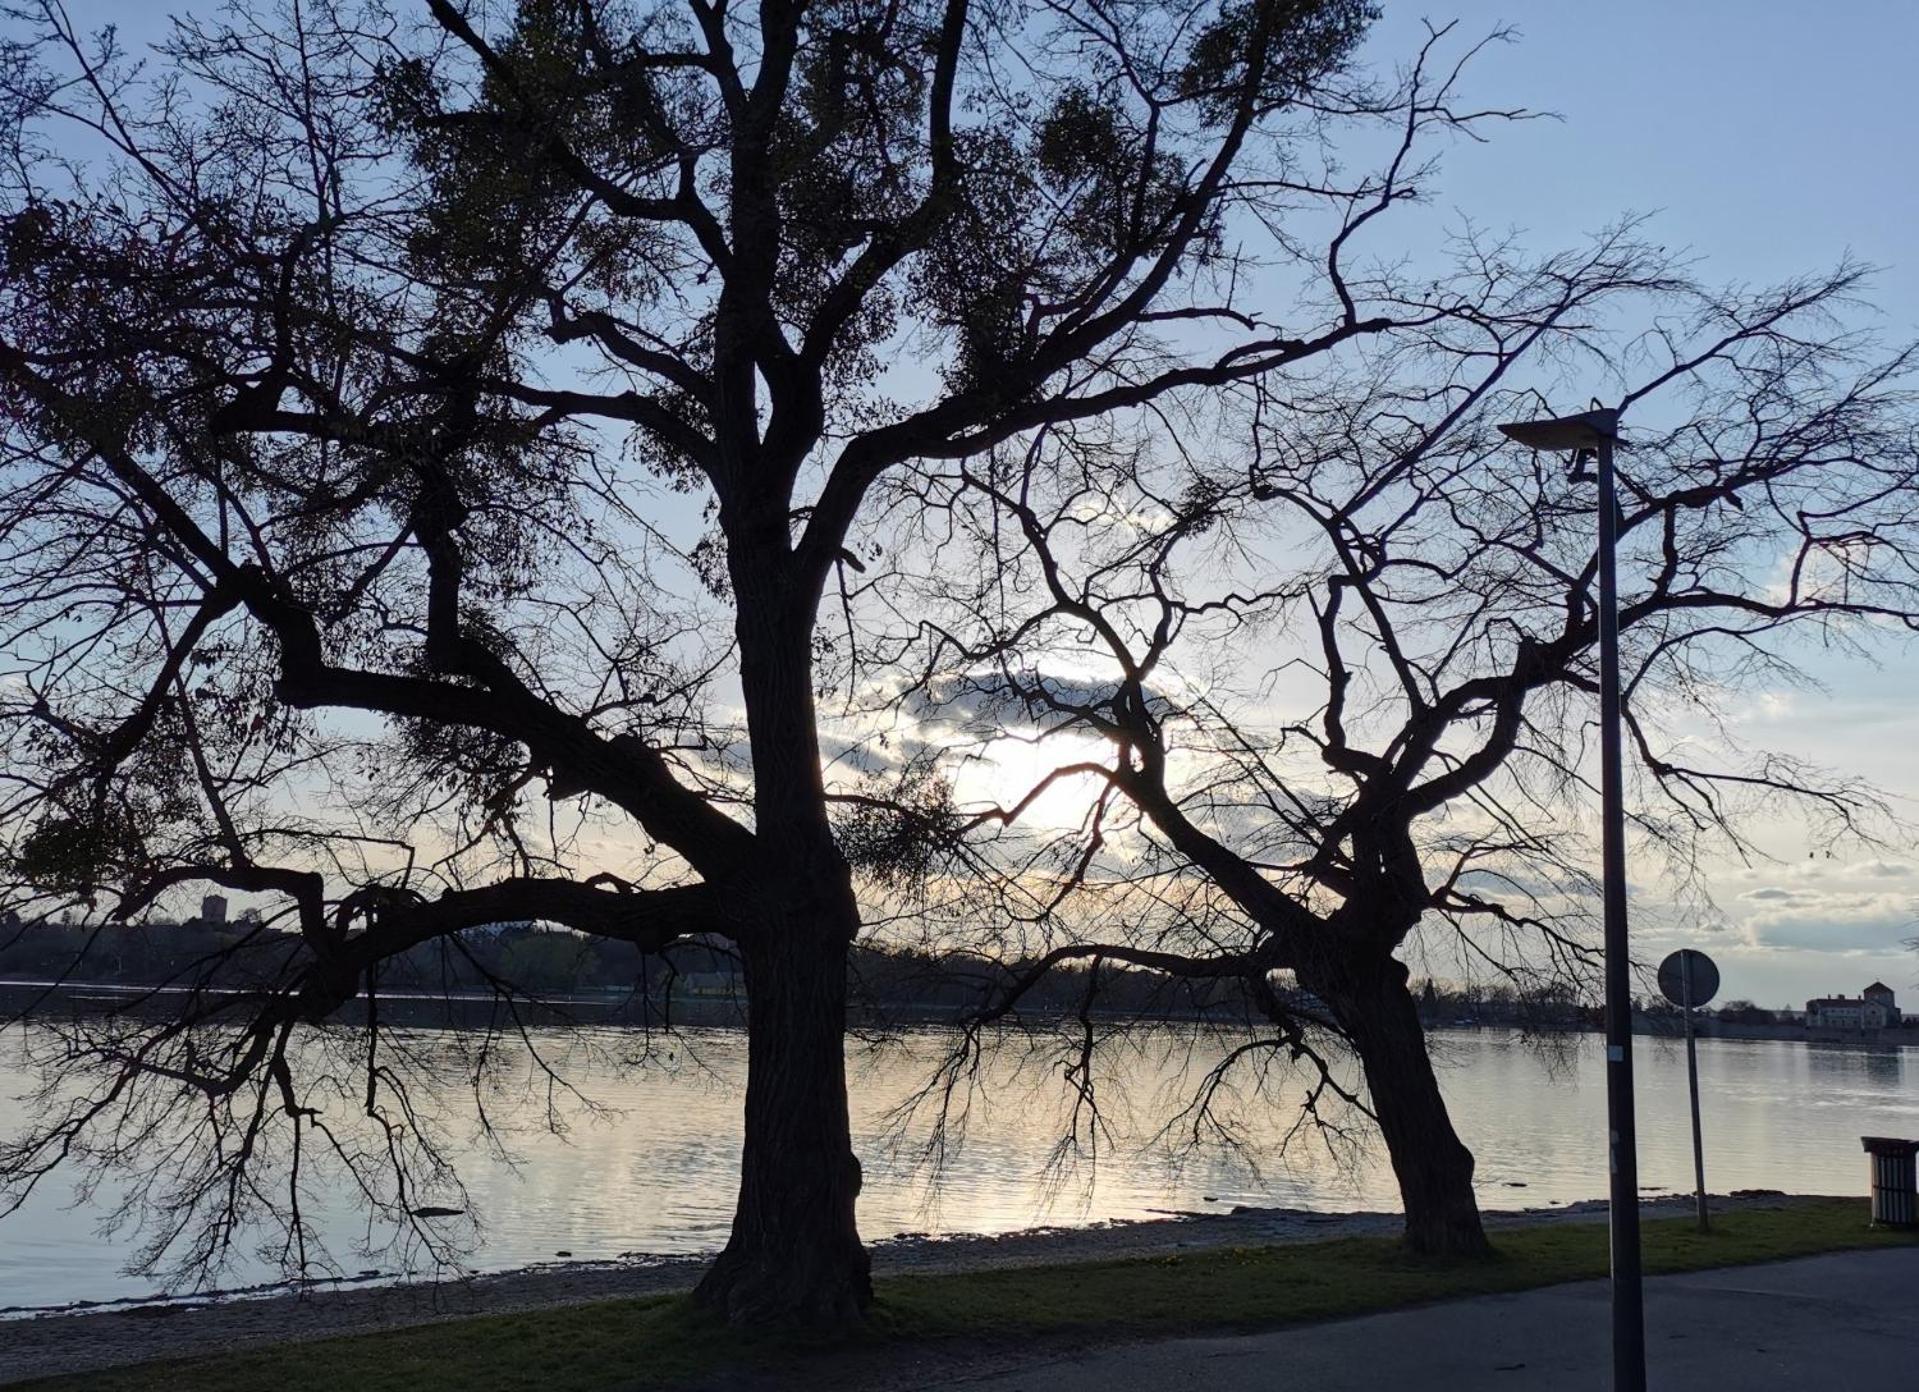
pixel 1875 1008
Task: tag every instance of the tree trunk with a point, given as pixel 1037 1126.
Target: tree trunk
pixel 1434 1167
pixel 794 1258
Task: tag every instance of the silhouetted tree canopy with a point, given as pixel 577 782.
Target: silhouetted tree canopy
pixel 431 433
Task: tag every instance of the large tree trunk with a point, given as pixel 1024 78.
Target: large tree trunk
pixel 795 1256
pixel 1434 1167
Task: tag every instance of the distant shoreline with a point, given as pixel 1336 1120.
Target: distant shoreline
pixel 618 1007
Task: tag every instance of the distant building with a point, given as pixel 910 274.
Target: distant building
pixel 717 983
pixel 213 909
pixel 1875 1008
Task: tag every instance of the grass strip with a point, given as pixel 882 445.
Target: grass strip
pixel 663 1343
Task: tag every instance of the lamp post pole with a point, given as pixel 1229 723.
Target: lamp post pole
pixel 1595 432
pixel 1628 1311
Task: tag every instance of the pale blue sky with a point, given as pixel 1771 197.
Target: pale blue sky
pixel 1769 136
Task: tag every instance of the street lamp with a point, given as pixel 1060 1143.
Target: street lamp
pixel 1594 433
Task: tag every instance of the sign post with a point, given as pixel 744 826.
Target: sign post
pixel 1689 979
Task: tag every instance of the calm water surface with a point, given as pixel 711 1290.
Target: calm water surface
pixel 655 1173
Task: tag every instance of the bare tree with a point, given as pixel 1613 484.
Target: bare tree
pixel 1333 641
pixel 353 360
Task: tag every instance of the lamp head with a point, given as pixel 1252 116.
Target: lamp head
pixel 1584 431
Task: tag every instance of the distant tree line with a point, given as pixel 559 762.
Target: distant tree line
pixel 531 959
pixel 542 959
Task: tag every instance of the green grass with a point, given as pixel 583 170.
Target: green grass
pixel 658 1343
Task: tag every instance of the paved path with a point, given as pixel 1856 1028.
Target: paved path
pixel 1847 1320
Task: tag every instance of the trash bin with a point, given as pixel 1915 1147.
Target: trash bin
pixel 1895 1204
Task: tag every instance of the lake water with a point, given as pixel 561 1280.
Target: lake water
pixel 655 1173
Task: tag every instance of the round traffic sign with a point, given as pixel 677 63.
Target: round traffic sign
pixel 1688 977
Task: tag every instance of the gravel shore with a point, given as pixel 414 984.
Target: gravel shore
pixel 74 1342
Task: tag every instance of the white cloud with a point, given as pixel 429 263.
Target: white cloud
pixel 1834 922
pixel 1882 870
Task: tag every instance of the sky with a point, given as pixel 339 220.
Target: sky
pixel 1771 139
pixel 1755 140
